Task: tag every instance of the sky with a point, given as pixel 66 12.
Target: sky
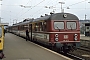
pixel 12 11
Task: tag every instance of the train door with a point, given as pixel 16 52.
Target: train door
pixel 30 30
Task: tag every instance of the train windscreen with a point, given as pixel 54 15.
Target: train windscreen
pixel 59 25
pixel 71 25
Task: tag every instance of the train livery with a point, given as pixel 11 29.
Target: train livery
pixel 59 30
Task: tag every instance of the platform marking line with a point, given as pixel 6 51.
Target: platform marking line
pixel 52 51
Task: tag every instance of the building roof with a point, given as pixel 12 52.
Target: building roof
pixel 5 24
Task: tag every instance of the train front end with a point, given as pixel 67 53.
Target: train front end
pixel 65 32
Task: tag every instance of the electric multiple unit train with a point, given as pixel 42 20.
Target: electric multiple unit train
pixel 59 30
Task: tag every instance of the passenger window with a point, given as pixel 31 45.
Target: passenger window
pixel 25 26
pixel 44 26
pixel 41 26
pixel 36 27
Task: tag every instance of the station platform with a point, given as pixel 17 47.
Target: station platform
pixel 17 48
pixel 83 37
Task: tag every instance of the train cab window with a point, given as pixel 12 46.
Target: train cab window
pixel 0 31
pixel 59 25
pixel 71 25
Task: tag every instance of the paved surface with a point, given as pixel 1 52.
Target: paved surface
pixel 16 48
pixel 83 37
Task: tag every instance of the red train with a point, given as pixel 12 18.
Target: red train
pixel 59 30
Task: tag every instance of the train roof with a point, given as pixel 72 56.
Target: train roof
pixel 58 16
pixel 21 23
pixel 55 16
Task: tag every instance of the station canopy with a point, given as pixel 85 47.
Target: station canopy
pixel 5 24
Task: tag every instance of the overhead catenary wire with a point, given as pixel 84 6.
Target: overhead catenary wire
pixel 48 8
pixel 41 9
pixel 58 7
pixel 76 3
pixel 31 8
pixel 23 8
pixel 21 14
pixel 39 6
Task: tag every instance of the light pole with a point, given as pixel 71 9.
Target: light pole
pixel 62 10
pixel 85 14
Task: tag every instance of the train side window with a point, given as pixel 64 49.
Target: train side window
pixel 0 31
pixel 36 27
pixel 41 26
pixel 25 26
pixel 33 27
pixel 44 26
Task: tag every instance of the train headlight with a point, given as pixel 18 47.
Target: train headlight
pixel 56 39
pixel 75 37
pixel 65 15
pixel 56 35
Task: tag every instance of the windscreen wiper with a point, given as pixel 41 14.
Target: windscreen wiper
pixel 71 27
pixel 58 28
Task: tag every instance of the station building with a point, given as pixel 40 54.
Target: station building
pixel 87 29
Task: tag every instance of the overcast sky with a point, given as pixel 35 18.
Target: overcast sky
pixel 11 10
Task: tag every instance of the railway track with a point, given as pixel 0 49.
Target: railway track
pixel 84 48
pixel 83 53
pixel 70 55
pixel 75 57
